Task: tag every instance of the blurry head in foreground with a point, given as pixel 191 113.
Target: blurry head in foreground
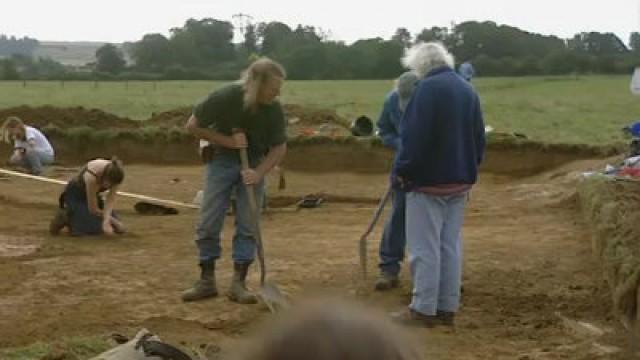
pixel 331 330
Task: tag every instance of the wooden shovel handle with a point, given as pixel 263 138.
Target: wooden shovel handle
pixel 253 204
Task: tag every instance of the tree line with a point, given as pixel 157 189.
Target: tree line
pixel 10 45
pixel 204 49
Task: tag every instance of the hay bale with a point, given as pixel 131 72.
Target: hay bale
pixel 611 208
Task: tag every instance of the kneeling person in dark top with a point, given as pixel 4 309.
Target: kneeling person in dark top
pixel 81 207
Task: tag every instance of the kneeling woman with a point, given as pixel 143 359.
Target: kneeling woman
pixel 82 208
pixel 32 150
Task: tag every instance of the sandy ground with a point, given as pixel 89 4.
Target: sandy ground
pixel 527 261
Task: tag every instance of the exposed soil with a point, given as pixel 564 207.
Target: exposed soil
pixel 320 142
pixel 528 264
pixel 64 118
pixel 302 121
pixel 171 118
pixel 529 271
pixel 305 122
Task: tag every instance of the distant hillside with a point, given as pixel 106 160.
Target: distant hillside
pixel 69 53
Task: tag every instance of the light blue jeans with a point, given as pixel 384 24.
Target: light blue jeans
pixel 221 177
pixel 433 229
pixel 32 160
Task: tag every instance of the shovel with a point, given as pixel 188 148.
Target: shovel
pixel 268 293
pixel 372 224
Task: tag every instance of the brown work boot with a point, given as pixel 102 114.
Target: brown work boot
pixel 387 281
pixel 411 317
pixel 238 291
pixel 205 287
pixel 447 318
pixel 59 221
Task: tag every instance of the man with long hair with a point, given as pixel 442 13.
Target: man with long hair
pixel 242 115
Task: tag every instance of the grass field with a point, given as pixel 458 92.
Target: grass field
pixel 589 109
pixel 70 348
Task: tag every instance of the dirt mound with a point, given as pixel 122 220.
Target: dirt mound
pixel 611 207
pixel 65 118
pixel 522 157
pixel 167 119
pixel 302 120
pixel 308 121
pixel 309 116
pixel 510 142
pixel 318 134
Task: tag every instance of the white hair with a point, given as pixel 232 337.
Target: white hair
pixel 424 57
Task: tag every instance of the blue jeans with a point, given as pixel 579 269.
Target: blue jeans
pixel 32 160
pixel 81 220
pixel 221 177
pixel 435 251
pixel 393 239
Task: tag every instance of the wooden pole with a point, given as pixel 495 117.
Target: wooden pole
pixel 120 193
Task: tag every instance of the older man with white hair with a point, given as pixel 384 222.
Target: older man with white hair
pixel 442 145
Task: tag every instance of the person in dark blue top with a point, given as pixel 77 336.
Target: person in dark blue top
pixel 467 71
pixel 442 144
pixel 393 239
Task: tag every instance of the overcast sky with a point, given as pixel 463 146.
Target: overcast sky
pixel 348 20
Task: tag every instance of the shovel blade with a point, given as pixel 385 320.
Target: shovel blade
pixel 273 298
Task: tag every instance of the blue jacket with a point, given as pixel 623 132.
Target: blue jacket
pixel 442 135
pixel 389 121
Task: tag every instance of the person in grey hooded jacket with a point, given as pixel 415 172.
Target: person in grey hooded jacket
pixel 393 240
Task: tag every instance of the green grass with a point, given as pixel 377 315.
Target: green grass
pixel 572 110
pixel 589 109
pixel 70 349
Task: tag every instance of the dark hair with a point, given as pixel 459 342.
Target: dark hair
pixel 114 172
pixel 331 330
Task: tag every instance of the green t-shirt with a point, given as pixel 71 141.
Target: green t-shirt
pixel 223 110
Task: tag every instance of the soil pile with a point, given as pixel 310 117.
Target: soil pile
pixel 168 119
pixel 70 117
pixel 309 117
pixel 309 122
pixel 301 120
